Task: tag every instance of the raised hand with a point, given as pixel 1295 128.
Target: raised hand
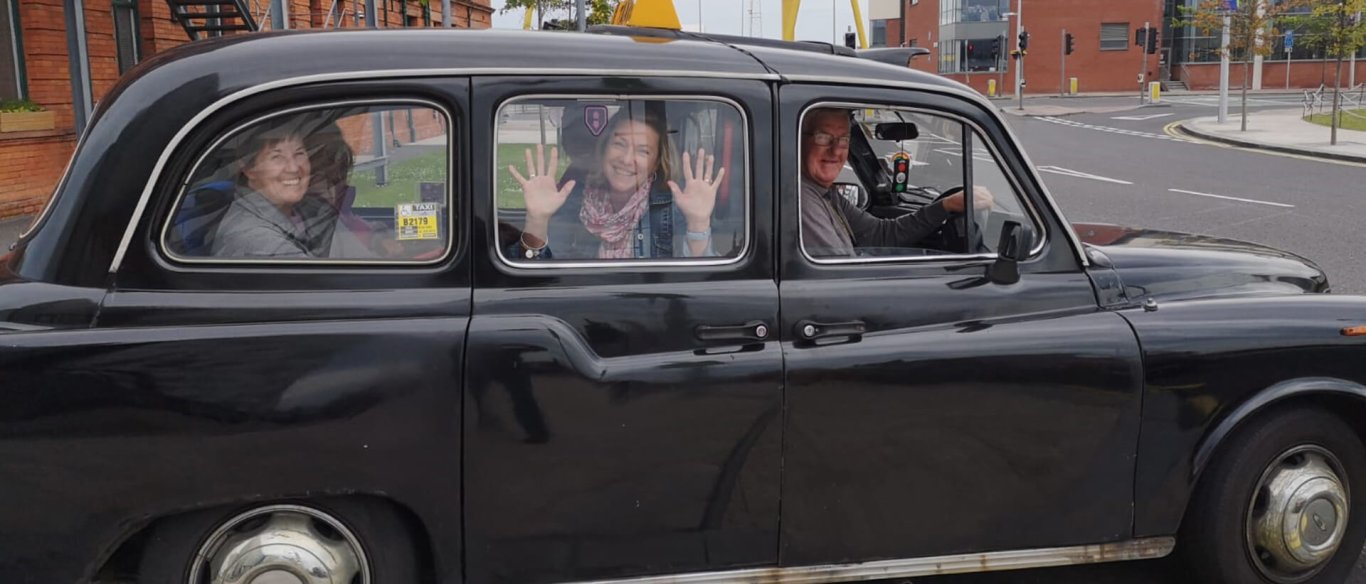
pixel 542 196
pixel 697 198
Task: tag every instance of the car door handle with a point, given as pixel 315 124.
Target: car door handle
pixel 811 330
pixel 754 330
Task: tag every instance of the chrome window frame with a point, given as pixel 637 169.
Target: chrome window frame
pixel 958 91
pixel 968 94
pixel 979 134
pixel 182 188
pixel 628 263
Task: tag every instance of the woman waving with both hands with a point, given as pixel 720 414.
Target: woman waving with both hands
pixel 628 205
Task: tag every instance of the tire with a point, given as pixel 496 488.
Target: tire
pixel 385 542
pixel 1218 540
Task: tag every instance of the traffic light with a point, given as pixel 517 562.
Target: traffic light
pixel 850 40
pixel 1140 36
pixel 1024 40
pixel 996 46
pixel 1070 45
pixel 1152 40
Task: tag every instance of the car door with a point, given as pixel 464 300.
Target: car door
pixel 254 371
pixel 622 415
pixel 931 408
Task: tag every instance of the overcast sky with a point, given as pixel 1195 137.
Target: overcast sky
pixel 726 17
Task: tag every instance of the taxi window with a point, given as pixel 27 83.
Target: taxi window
pixel 357 184
pixel 620 180
pixel 889 183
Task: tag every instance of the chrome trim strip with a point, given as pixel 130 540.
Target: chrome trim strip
pixel 194 122
pixel 342 262
pixel 977 98
pixel 1138 549
pixel 199 118
pixel 634 264
pixel 1024 200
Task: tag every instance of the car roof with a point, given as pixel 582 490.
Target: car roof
pixel 242 61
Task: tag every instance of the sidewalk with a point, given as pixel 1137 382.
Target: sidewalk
pixel 1134 93
pixel 1281 131
pixel 10 230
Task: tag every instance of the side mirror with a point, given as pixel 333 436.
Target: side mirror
pixel 1012 248
pixel 896 131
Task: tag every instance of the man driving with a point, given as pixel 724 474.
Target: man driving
pixel 831 225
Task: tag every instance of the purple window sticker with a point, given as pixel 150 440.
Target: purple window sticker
pixel 595 117
pixel 431 192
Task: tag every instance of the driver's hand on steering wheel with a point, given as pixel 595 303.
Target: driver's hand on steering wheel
pixel 981 200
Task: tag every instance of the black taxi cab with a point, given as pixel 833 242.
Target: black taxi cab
pixel 640 307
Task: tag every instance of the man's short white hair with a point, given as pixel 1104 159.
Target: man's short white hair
pixel 816 114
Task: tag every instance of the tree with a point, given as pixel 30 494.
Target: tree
pixel 1342 33
pixel 599 11
pixel 1250 23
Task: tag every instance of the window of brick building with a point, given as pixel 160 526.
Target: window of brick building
pixel 126 33
pixel 11 52
pixel 1114 36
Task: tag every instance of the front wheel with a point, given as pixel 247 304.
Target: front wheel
pixel 1283 503
pixel 333 542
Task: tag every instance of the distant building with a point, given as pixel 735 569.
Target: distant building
pixel 962 36
pixel 65 55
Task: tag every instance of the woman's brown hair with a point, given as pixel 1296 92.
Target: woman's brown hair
pixel 654 119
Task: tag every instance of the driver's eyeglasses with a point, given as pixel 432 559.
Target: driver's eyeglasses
pixel 825 140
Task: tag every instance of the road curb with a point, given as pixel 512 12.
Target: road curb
pixel 1183 127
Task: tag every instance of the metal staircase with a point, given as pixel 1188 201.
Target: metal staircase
pixel 212 17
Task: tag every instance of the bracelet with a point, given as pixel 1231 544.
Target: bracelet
pixel 699 235
pixel 532 252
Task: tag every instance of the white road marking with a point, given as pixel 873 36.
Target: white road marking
pixel 960 155
pixel 1239 199
pixel 1079 174
pixel 1213 101
pixel 1135 133
pixel 1141 118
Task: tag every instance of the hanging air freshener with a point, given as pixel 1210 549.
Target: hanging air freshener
pixel 901 171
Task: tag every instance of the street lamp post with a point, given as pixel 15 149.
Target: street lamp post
pixel 1223 70
pixel 1352 70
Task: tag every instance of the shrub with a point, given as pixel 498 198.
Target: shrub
pixel 18 105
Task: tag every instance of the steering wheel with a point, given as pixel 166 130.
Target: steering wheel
pixel 954 232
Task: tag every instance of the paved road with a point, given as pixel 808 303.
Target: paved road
pixel 1326 199
pixel 1106 168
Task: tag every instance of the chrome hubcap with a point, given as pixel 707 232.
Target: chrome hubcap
pixel 281 544
pixel 1298 514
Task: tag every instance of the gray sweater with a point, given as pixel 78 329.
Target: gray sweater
pixel 255 228
pixel 832 226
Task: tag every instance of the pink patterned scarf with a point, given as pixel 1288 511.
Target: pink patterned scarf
pixel 614 228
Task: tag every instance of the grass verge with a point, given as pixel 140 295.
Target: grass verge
pixel 1349 120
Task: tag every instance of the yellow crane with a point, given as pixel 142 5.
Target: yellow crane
pixel 661 14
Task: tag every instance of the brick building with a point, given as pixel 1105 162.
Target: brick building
pixel 42 43
pixel 962 36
